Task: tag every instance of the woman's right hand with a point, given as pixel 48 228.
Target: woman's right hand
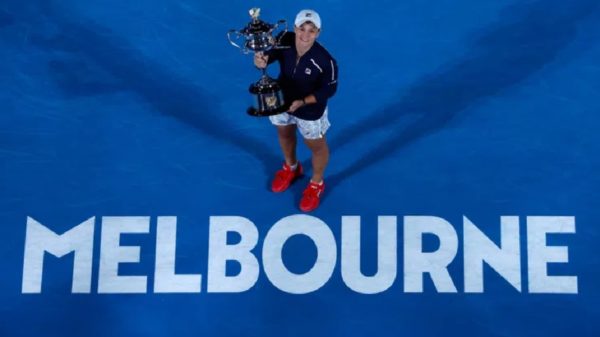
pixel 260 60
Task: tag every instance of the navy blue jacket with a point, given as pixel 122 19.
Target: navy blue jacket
pixel 316 73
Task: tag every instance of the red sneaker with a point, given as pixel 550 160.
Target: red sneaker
pixel 284 177
pixel 312 196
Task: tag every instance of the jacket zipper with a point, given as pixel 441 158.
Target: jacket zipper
pixel 296 66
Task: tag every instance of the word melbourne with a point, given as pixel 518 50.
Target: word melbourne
pixel 478 250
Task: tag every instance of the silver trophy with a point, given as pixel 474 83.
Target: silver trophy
pixel 258 37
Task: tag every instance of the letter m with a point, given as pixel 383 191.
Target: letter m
pixel 39 239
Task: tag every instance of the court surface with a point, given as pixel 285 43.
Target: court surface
pixel 446 109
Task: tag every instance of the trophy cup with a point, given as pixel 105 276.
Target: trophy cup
pixel 258 37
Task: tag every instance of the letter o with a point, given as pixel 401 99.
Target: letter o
pixel 319 274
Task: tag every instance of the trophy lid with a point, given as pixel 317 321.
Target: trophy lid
pixel 256 26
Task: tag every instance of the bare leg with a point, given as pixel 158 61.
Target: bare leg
pixel 287 140
pixel 320 157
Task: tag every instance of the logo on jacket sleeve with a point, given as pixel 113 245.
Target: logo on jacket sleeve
pixel 307 71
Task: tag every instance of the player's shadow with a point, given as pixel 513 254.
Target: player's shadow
pixel 99 61
pixel 525 39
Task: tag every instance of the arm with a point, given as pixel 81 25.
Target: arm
pixel 310 99
pixel 327 87
pixel 328 84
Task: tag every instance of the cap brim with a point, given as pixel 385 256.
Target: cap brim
pixel 303 21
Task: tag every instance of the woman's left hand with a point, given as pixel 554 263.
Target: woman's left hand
pixel 295 105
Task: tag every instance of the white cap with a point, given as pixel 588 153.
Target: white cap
pixel 308 15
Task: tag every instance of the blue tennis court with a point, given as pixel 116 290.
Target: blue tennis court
pixel 462 131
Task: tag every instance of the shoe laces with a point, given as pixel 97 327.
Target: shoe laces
pixel 285 174
pixel 313 191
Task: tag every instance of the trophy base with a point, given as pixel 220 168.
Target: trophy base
pixel 252 111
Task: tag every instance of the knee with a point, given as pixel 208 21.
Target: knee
pixel 317 146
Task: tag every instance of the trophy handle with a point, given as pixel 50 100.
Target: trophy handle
pixel 283 31
pixel 237 36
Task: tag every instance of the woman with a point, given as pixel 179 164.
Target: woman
pixel 308 78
